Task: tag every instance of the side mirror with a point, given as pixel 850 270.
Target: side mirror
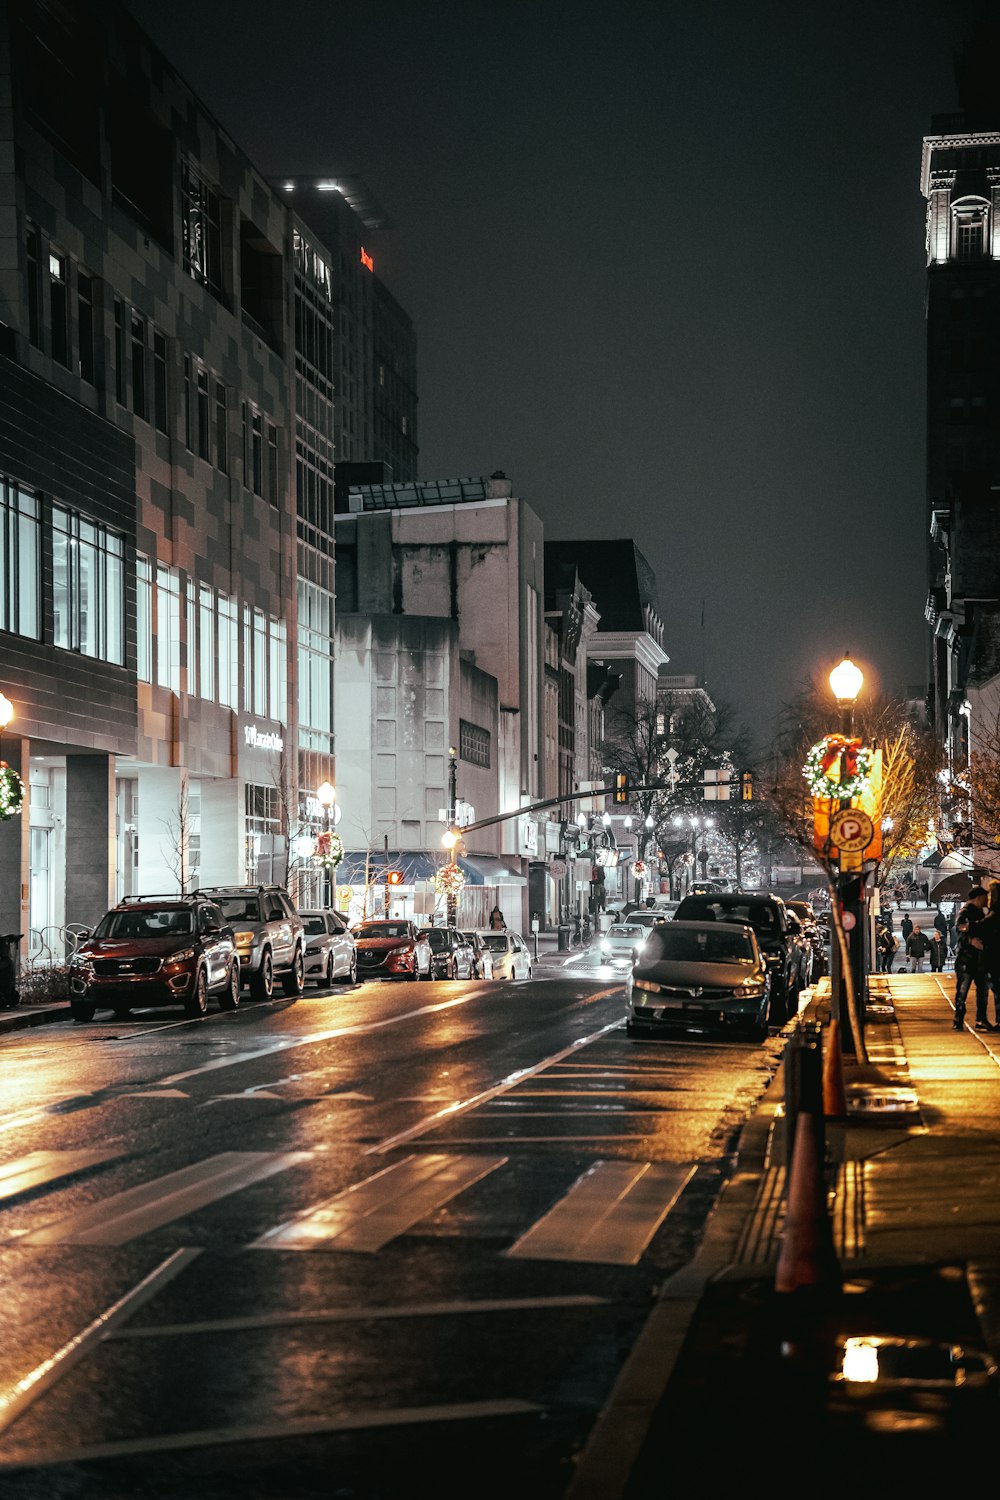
pixel 210 928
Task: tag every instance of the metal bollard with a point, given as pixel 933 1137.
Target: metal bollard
pixel 804 1084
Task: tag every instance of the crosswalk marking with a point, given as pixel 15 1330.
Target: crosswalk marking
pixel 40 1167
pixel 370 1214
pixel 114 1221
pixel 608 1216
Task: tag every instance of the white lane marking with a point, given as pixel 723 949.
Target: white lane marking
pixel 39 1167
pixel 126 1216
pixel 371 1213
pixel 20 1396
pixel 152 1094
pixel 608 1216
pixel 403 1416
pixel 360 1315
pixel 312 1038
pixel 461 1106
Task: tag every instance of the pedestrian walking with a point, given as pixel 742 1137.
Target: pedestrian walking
pixel 970 965
pixel 952 933
pixel 937 950
pixel 925 892
pixel 906 927
pixel 941 926
pixel 886 945
pixel 989 932
pixel 917 948
pixel 497 923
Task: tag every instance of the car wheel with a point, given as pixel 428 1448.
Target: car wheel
pixel 197 1002
pixel 759 1027
pixel 329 976
pixel 294 982
pixel 352 973
pixel 262 982
pixel 452 969
pixel 122 1012
pixel 230 996
pixel 776 1014
pixel 82 1010
pixel 429 974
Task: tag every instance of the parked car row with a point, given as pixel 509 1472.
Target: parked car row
pixel 216 942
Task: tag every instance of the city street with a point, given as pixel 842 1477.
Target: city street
pixel 324 1246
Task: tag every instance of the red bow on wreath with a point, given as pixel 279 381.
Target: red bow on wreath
pixel 837 746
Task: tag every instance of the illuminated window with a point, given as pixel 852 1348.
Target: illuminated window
pixel 201 229
pixel 88 587
pixel 20 611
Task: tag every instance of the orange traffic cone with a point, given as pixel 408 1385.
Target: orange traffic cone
pixel 834 1097
pixel 807 1259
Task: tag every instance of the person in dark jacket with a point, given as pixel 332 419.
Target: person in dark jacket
pixel 906 927
pixel 917 947
pixel 938 948
pixel 989 932
pixel 970 964
pixel 941 926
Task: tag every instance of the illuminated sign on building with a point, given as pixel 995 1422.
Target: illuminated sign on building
pixel 366 259
pixel 261 740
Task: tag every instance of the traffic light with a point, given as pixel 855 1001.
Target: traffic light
pixel 621 787
pixel 746 786
pixel 394 877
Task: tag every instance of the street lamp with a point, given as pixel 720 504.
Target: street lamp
pixel 846 681
pixel 327 794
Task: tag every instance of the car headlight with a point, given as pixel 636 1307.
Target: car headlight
pixel 183 957
pixel 605 945
pixel 752 990
pixel 243 939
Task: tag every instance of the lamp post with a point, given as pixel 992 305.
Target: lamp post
pixel 451 899
pixel 846 681
pixel 327 795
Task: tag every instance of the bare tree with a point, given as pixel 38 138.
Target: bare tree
pixel 741 827
pixel 176 845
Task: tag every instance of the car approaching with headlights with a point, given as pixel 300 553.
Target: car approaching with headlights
pixel 268 933
pixel 622 942
pixel 392 949
pixel 699 976
pixel 330 948
pixel 156 950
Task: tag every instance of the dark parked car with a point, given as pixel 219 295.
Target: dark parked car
pixel 269 936
pixel 816 933
pixel 779 944
pixel 392 950
pixel 451 956
pixel 699 976
pixel 156 950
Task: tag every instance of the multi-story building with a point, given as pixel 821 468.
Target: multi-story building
pixel 177 347
pixel 468 551
pixel 960 179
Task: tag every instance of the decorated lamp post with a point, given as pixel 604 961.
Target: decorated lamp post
pixel 329 846
pixel 11 785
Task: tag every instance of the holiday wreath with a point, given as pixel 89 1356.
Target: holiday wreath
pixel 329 850
pixel 838 768
pixel 11 791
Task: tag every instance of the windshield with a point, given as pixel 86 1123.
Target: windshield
pixel 698 947
pixel 437 937
pixel 756 914
pixel 383 930
pixel 239 908
pixel 313 925
pixel 497 941
pixel 145 922
pixel 625 932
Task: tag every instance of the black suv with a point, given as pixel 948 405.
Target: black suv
pixel 779 944
pixel 269 933
pixel 156 950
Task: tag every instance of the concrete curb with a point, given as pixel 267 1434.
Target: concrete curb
pixel 26 1016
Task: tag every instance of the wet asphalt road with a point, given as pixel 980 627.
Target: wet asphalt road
pixel 394 1238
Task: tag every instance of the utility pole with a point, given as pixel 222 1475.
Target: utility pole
pixel 451 914
pixel 385 906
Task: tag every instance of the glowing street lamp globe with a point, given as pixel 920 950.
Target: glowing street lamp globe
pixel 846 680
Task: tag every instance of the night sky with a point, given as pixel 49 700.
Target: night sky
pixel 666 267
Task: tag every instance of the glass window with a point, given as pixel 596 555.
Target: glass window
pixel 257 452
pixel 120 369
pixel 204 425
pixel 259 662
pixel 473 744
pixel 206 642
pixel 59 307
pixel 272 464
pixel 160 380
pixel 87 586
pixel 188 405
pixel 19 559
pixel 277 677
pixel 201 229
pixel 191 621
pixel 143 619
pixel 315 657
pixel 139 365
pixel 85 326
pixel 228 651
pixel 168 628
pixel 221 428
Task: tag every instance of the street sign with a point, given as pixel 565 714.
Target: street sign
pixel 557 868
pixel 851 830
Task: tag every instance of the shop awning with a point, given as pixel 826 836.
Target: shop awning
pixel 487 869
pixel 957 885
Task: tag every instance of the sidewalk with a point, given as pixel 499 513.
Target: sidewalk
pixel 913 1175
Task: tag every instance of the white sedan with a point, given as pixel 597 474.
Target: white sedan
pixel 330 951
pixel 621 943
pixel 511 959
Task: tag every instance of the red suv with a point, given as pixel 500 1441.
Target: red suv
pixel 156 950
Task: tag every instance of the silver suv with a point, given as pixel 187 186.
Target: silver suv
pixel 269 936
